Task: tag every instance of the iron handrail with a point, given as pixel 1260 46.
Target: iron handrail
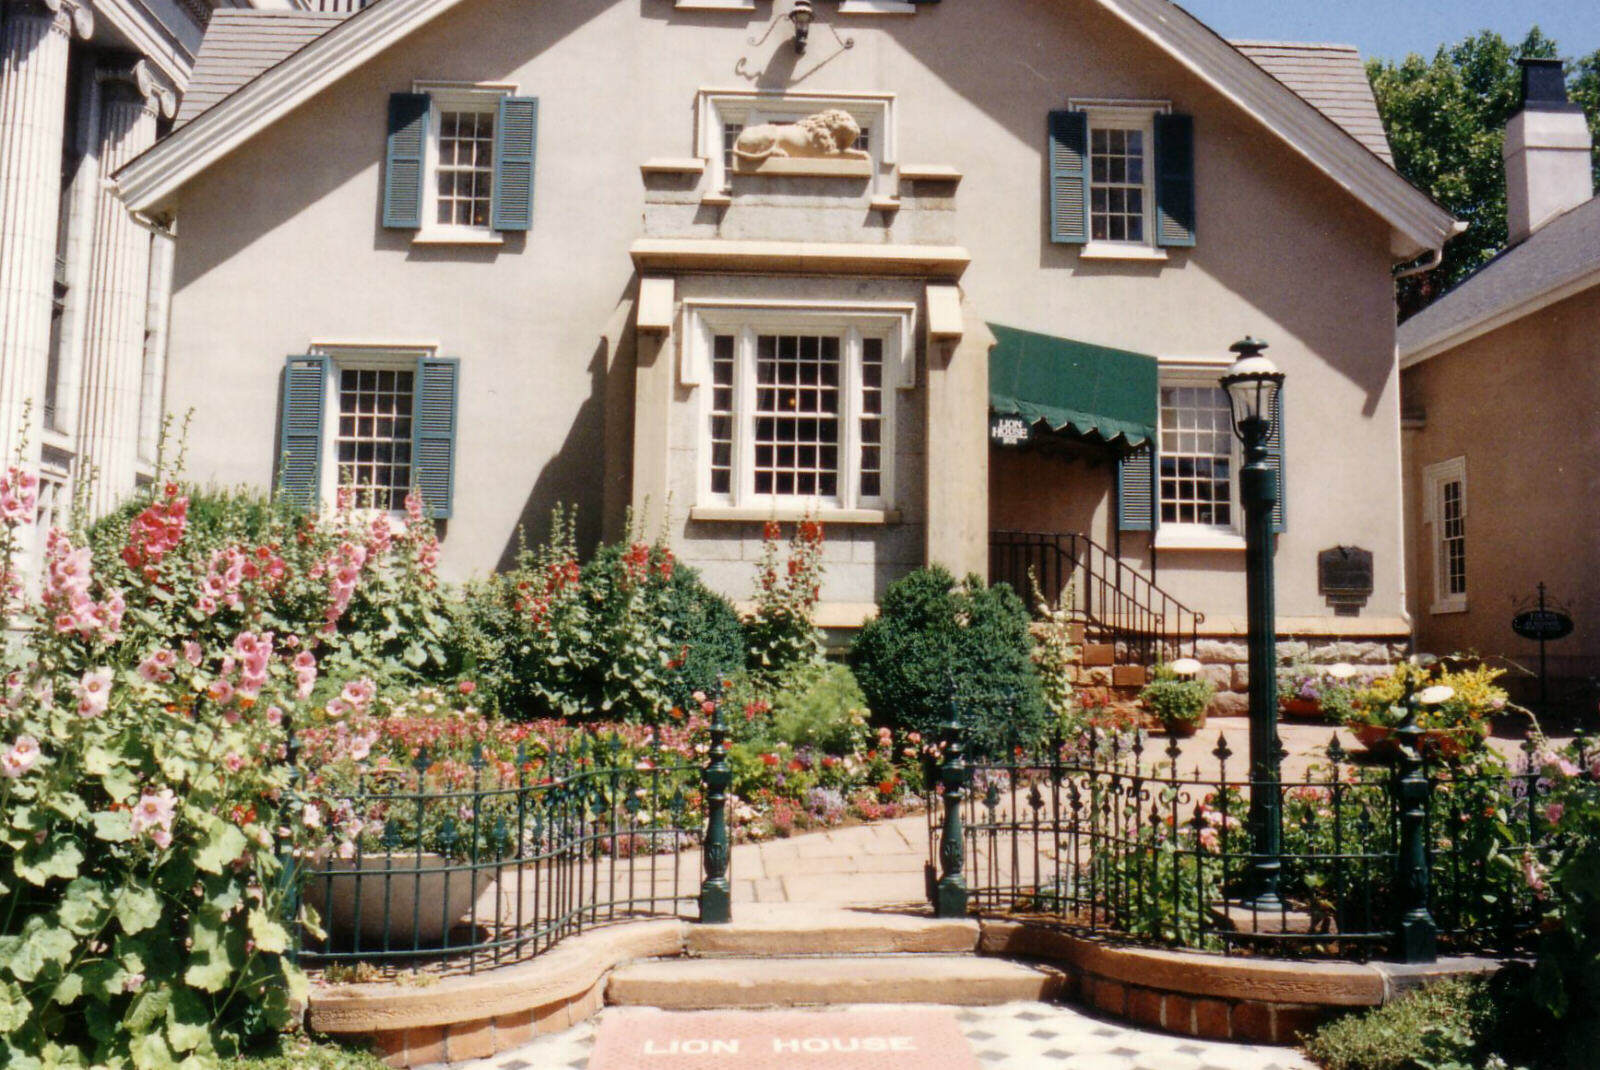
pixel 1117 603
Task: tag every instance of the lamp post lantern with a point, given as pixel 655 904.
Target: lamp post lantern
pixel 1252 384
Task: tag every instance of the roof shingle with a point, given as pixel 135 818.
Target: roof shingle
pixel 240 44
pixel 1332 79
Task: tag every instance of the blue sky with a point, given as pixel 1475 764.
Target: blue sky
pixel 1391 28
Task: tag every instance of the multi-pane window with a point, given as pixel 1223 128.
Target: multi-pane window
pixel 1117 191
pixel 465 172
pixel 1445 509
pixel 1452 539
pixel 373 445
pixel 730 137
pixel 1196 456
pixel 799 415
pixel 722 414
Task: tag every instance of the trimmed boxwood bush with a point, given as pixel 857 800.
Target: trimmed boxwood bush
pixel 934 636
pixel 704 628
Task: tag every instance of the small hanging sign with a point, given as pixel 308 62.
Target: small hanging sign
pixel 1009 430
pixel 1542 624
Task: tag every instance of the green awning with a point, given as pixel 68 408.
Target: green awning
pixel 1074 387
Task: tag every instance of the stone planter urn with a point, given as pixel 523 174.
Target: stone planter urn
pixel 415 899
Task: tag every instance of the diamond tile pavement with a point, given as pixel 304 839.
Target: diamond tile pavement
pixel 1014 1036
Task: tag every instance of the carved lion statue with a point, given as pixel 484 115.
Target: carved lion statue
pixel 827 133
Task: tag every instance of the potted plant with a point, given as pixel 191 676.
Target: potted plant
pixel 1454 714
pixel 1176 698
pixel 1307 690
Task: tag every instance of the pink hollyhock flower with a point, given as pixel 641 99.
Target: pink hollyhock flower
pixel 274 715
pixel 94 692
pixel 232 762
pixel 220 692
pixel 305 660
pixel 338 707
pixel 20 758
pixel 359 692
pixel 1553 813
pixel 206 604
pixel 192 652
pixel 466 687
pixel 154 812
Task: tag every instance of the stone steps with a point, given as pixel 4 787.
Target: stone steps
pixel 799 930
pixel 713 983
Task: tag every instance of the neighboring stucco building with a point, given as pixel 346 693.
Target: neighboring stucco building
pixel 1501 388
pixel 85 86
pixel 525 225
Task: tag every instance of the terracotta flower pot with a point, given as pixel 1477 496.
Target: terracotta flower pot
pixel 1297 706
pixel 1185 729
pixel 1438 742
pixel 423 898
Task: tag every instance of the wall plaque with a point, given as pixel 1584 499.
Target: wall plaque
pixel 1344 577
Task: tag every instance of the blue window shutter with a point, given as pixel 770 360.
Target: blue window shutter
pixel 305 382
pixel 433 463
pixel 1174 180
pixel 404 160
pixel 1136 485
pixel 1069 177
pixel 1280 511
pixel 516 144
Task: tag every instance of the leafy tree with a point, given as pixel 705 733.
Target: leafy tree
pixel 1446 121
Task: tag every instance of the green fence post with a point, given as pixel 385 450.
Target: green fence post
pixel 1416 935
pixel 950 895
pixel 716 897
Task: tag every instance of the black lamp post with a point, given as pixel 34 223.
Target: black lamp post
pixel 1252 384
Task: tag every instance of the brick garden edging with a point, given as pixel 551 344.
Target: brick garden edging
pixel 1216 997
pixel 1211 996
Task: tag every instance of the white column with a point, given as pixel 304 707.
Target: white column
pixel 33 108
pixel 118 299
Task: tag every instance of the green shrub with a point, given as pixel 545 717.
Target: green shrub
pixel 934 639
pixel 819 705
pixel 704 633
pixel 1440 1027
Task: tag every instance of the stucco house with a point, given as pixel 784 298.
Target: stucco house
pixel 537 251
pixel 1501 395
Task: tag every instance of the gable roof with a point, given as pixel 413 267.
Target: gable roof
pixel 1332 79
pixel 240 44
pixel 1418 224
pixel 1560 259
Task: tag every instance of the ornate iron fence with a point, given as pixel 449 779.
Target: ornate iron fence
pixel 484 863
pixel 1106 835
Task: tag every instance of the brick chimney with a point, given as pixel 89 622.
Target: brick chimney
pixel 1546 151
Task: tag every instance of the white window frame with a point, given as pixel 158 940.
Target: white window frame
pixel 716 108
pixel 1435 477
pixel 1173 535
pixel 480 97
pixel 1137 115
pixel 376 357
pixel 894 324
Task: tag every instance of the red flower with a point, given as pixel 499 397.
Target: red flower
pixel 769 759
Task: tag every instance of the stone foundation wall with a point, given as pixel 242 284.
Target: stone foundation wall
pixel 1226 662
